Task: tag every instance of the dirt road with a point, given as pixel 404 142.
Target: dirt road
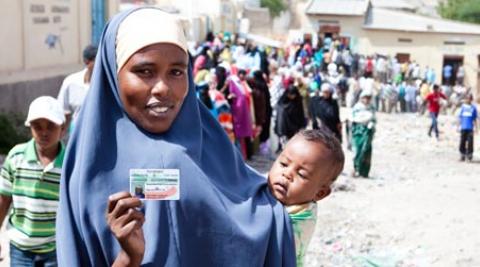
pixel 421 206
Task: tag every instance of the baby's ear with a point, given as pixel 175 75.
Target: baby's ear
pixel 322 193
pixel 64 129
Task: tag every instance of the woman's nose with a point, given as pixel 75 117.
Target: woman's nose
pixel 160 89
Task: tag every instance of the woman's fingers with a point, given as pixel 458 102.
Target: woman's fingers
pixel 122 205
pixel 112 199
pixel 127 223
pixel 123 217
pixel 132 226
pixel 130 215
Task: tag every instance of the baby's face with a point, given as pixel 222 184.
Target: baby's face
pixel 302 172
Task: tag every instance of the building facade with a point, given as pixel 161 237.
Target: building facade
pixel 369 30
pixel 204 16
pixel 42 42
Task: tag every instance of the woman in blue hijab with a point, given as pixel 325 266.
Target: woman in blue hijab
pixel 141 113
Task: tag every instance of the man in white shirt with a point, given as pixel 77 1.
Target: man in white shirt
pixel 460 74
pixel 381 69
pixel 75 87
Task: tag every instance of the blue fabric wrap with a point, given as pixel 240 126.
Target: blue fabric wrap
pixel 226 215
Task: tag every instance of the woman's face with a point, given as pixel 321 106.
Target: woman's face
pixel 326 94
pixel 291 96
pixel 153 85
pixel 366 100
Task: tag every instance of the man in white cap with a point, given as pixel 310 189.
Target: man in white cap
pixel 29 184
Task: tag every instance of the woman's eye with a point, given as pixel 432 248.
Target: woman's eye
pixel 283 164
pixel 176 72
pixel 144 72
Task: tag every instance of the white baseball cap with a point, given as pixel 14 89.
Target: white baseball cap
pixel 326 87
pixel 45 107
pixel 366 93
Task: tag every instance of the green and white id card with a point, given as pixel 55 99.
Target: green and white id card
pixel 155 184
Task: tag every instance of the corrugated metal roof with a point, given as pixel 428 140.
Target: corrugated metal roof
pixel 395 20
pixel 337 7
pixel 393 4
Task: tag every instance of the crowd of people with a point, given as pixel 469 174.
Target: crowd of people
pixel 144 92
pixel 246 85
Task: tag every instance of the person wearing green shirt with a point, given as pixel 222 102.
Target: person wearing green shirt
pixel 363 130
pixel 29 186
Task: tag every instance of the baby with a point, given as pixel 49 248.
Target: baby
pixel 302 175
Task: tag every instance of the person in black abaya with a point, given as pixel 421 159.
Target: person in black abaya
pixel 290 115
pixel 221 75
pixel 261 101
pixel 324 111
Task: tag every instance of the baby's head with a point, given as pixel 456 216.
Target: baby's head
pixel 306 168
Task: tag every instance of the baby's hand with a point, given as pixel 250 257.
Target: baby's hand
pixel 370 125
pixel 125 222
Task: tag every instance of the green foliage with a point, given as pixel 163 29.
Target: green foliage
pixel 464 10
pixel 274 6
pixel 12 131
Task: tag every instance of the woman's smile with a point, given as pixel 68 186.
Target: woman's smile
pixel 159 109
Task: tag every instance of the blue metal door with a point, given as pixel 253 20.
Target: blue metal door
pixel 98 19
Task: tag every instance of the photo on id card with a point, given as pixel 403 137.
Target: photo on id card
pixel 155 184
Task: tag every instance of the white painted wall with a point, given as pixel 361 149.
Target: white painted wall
pixel 62 28
pixel 281 23
pixel 11 34
pixel 252 3
pixel 222 14
pixel 42 38
pixel 428 49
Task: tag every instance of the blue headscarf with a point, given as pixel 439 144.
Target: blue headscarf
pixel 225 216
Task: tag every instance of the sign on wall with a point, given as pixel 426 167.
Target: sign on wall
pixel 453 49
pixel 51 32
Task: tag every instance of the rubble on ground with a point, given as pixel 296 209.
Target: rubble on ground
pixel 417 208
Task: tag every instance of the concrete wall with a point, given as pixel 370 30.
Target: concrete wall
pixel 222 14
pixel 21 94
pixel 299 18
pixel 11 34
pixel 350 25
pixel 51 37
pixel 42 33
pixel 259 19
pixel 228 16
pixel 41 43
pixel 281 24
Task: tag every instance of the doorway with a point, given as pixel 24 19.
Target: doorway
pixel 329 31
pixel 449 69
pixel 478 80
pixel 402 57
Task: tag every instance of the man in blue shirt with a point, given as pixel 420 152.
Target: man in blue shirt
pixel 447 74
pixel 467 121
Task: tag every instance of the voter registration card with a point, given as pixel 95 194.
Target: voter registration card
pixel 155 184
